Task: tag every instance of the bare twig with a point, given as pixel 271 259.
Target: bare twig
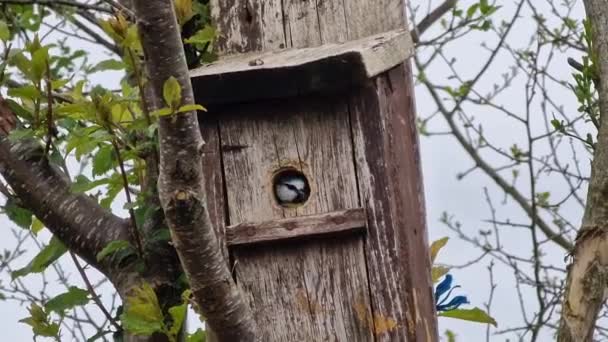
pixel 91 290
pixel 431 18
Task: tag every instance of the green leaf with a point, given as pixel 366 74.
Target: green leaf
pixel 198 336
pixel 77 111
pixel 191 107
pixel 112 191
pixel 436 246
pixel 113 247
pixel 162 112
pixel 5 33
pixel 103 162
pixel 68 300
pixel 19 110
pixel 558 125
pixel 437 272
pixel 19 60
pixel 142 315
pixel 83 184
pixel 172 92
pixel 203 36
pixel 37 226
pixel 56 84
pixel 108 64
pixel 28 92
pixel 160 235
pixel 20 216
pixel 39 62
pixel 132 39
pixel 473 315
pixel 450 336
pixel 40 323
pixel 178 315
pixel 49 254
pixel 471 10
pixel 484 7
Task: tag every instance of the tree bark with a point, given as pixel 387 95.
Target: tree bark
pixel 77 220
pixel 588 275
pixel 181 187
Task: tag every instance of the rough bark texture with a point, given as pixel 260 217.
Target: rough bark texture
pixel 181 187
pixel 588 274
pixel 77 220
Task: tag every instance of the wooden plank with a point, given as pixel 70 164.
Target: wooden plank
pixel 365 17
pixel 286 283
pixel 309 290
pixel 214 181
pixel 291 72
pixel 332 223
pixel 248 25
pixel 301 23
pixel 331 16
pixel 386 149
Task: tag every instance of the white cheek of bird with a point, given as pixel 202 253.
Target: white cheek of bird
pixel 291 188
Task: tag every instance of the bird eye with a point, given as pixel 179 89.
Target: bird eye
pixel 290 187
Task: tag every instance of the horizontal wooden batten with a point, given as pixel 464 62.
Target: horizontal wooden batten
pixel 336 222
pixel 291 72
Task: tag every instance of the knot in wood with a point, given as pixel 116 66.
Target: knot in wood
pixel 256 62
pixel 338 219
pixel 290 225
pixel 181 195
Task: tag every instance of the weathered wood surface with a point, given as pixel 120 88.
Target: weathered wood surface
pixel 307 290
pixel 214 181
pixel 264 25
pixel 340 222
pixel 292 72
pixel 388 162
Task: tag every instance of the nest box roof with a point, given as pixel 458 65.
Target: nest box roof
pixel 293 72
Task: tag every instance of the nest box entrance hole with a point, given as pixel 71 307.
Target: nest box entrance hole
pixel 290 187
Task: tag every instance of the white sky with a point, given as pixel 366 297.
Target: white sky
pixel 442 160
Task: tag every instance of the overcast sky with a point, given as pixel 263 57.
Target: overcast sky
pixel 442 160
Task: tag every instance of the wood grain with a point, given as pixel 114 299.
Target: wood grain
pixel 317 290
pixel 333 223
pixel 248 25
pixel 388 162
pixel 310 289
pixel 292 72
pixel 213 177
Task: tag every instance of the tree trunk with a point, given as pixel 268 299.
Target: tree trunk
pixel 180 185
pixel 587 276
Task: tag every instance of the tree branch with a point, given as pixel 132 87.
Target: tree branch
pixel 53 3
pixel 181 183
pixel 431 18
pixel 586 284
pixel 94 35
pixel 93 293
pixel 487 168
pixel 76 219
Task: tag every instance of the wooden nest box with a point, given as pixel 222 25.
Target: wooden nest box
pixel 348 261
